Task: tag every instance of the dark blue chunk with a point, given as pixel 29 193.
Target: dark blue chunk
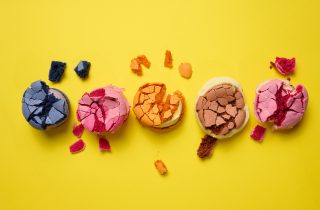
pixel 56 71
pixel 82 69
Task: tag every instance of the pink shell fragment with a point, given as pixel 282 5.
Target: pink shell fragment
pixel 103 110
pixel 78 146
pixel 258 133
pixel 104 144
pixel 78 130
pixel 284 66
pixel 279 102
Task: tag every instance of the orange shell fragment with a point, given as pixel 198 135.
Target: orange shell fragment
pixel 185 70
pixel 168 59
pixel 136 63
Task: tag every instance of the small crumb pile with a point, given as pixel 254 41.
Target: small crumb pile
pixel 206 146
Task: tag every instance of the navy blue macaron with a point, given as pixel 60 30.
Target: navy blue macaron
pixel 44 107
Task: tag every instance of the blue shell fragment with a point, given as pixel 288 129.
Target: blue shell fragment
pixel 56 71
pixel 82 69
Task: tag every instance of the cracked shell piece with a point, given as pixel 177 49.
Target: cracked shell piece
pixel 44 107
pixel 220 108
pixel 153 108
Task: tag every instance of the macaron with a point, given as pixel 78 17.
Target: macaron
pixel 44 107
pixel 280 103
pixel 220 108
pixel 156 109
pixel 103 110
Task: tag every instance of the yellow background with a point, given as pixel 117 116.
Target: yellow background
pixel 219 38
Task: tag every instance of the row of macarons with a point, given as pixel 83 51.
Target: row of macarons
pixel 220 107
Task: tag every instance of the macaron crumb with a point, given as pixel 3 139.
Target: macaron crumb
pixel 185 70
pixel 161 167
pixel 168 59
pixel 258 133
pixel 136 63
pixel 78 130
pixel 104 144
pixel 206 146
pixel 77 146
pixel 284 66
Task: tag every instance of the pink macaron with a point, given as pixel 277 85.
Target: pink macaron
pixel 281 103
pixel 103 110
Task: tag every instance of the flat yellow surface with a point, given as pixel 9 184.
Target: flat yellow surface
pixel 219 38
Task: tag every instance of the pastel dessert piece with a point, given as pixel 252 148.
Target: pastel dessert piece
pixel 82 69
pixel 168 59
pixel 103 110
pixel 206 146
pixel 44 107
pixel 284 66
pixel 220 108
pixel 153 108
pixel 258 133
pixel 280 103
pixel 56 71
pixel 185 70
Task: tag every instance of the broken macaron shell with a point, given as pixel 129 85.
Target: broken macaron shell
pixel 153 108
pixel 44 107
pixel 103 110
pixel 220 108
pixel 280 103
